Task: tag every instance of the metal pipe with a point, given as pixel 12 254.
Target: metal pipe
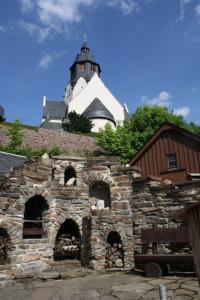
pixel 163 292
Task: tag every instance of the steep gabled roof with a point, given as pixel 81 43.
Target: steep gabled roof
pixel 54 109
pixel 165 127
pixel 98 110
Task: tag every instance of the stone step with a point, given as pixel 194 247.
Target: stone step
pixel 63 265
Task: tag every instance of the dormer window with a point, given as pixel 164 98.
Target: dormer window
pixel 172 161
pixel 82 67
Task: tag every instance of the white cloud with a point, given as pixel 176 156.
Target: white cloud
pixel 56 16
pixel 48 59
pixel 35 30
pixel 126 6
pixel 26 5
pixel 45 61
pixel 183 5
pixel 183 111
pixel 197 10
pixel 163 99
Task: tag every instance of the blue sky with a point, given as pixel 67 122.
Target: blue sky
pixel 149 52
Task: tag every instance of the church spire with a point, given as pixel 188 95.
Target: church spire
pixel 84 65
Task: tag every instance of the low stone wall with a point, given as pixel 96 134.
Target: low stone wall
pixel 154 203
pixel 36 139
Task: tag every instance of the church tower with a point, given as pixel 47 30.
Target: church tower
pixel 84 65
pixel 86 94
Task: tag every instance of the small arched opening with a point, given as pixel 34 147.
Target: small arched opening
pixel 101 190
pixel 114 251
pixel 70 176
pixel 68 239
pixel 4 246
pixel 33 217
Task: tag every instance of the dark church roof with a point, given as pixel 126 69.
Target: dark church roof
pixel 8 161
pixel 85 55
pixel 51 125
pixel 86 58
pixel 98 110
pixel 54 110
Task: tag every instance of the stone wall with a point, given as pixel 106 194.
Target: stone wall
pixel 153 202
pixel 45 178
pixel 38 138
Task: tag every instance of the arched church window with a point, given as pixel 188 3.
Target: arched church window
pixel 70 176
pixel 33 217
pixel 101 191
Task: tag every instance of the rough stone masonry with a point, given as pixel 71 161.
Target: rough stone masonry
pixel 86 210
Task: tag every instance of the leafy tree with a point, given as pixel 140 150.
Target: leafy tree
pixel 129 137
pixel 2 119
pixel 15 134
pixel 77 123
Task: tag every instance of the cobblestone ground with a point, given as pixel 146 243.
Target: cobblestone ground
pixel 103 287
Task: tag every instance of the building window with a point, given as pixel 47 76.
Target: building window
pixel 82 67
pixel 93 68
pixel 172 161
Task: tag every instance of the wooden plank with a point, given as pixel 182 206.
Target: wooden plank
pixel 164 258
pixel 165 235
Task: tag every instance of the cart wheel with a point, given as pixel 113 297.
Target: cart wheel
pixel 153 269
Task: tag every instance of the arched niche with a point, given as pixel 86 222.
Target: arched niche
pixel 114 251
pixel 33 217
pixel 68 239
pixel 70 174
pixel 4 246
pixel 101 190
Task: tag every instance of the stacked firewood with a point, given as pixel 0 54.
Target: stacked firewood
pixel 114 255
pixel 3 250
pixel 67 245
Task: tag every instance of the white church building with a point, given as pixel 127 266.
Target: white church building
pixel 87 95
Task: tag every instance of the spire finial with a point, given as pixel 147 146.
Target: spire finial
pixel 85 38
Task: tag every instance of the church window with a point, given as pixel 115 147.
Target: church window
pixel 82 67
pixel 93 68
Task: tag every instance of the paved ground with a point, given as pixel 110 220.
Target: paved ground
pixel 103 287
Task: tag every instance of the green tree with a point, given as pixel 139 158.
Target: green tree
pixel 129 137
pixel 77 123
pixel 15 134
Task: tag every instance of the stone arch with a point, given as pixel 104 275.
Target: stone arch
pixel 101 190
pixel 114 228
pixel 114 257
pixel 33 217
pixel 30 190
pixel 61 220
pixel 5 245
pixel 98 176
pixel 68 241
pixel 70 174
